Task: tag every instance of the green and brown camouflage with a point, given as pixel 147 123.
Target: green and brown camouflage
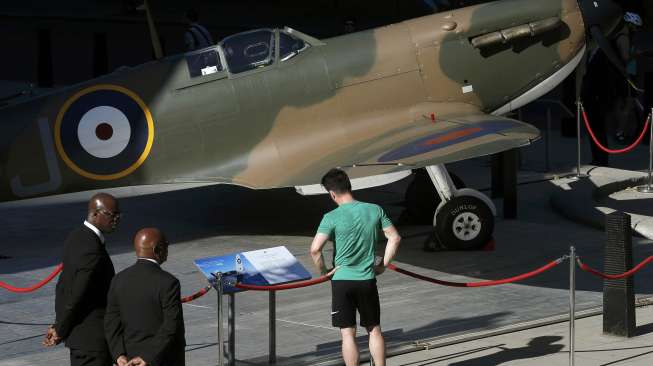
pixel 399 97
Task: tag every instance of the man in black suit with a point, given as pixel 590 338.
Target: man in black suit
pixel 82 288
pixel 144 320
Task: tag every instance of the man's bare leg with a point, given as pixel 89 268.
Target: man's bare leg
pixel 349 347
pixel 377 345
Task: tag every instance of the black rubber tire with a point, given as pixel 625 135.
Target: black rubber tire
pixel 422 199
pixel 452 216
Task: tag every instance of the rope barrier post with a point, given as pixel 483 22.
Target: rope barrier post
pixel 547 140
pixel 579 112
pixel 618 294
pixel 509 171
pixel 647 188
pixel 572 305
pixel 272 353
pixel 220 291
pixel 496 176
pixel 520 162
pixel 231 329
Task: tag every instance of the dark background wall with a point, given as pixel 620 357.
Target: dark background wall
pixel 66 38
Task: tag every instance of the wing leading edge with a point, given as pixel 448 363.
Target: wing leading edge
pixel 459 132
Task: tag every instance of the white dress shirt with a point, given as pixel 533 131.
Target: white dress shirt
pixel 149 259
pixel 95 230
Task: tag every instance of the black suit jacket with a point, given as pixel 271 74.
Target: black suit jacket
pixel 144 315
pixel 81 291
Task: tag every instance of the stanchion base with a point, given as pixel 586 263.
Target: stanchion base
pixel 578 176
pixel 645 189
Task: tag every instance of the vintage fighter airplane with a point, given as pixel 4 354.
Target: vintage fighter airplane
pixel 275 108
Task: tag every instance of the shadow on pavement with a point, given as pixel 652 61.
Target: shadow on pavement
pixel 450 356
pixel 644 329
pixel 537 347
pixel 448 327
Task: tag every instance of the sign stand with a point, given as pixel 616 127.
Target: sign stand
pixel 272 337
pixel 231 325
pixel 264 267
pixel 219 289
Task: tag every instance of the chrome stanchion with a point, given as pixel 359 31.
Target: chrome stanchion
pixel 579 175
pixel 520 166
pixel 547 140
pixel 572 305
pixel 647 188
pixel 220 291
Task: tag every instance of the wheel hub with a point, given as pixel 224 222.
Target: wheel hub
pixel 466 226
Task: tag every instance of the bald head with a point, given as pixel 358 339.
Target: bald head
pixel 151 243
pixel 103 212
pixel 102 201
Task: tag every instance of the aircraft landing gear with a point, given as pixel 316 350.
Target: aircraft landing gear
pixel 422 198
pixel 464 219
pixel 464 223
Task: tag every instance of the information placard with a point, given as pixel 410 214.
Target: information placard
pixel 264 267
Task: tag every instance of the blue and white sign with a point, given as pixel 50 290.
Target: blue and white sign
pixel 264 267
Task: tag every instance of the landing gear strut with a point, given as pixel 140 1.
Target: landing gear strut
pixel 422 198
pixel 463 218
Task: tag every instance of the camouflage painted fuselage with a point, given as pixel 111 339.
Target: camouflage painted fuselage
pixel 398 97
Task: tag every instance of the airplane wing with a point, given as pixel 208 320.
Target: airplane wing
pixel 441 133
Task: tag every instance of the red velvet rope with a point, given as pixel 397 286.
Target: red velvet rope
pixel 196 295
pixel 58 269
pixel 478 284
pixel 635 269
pixel 35 287
pixel 615 151
pixel 287 286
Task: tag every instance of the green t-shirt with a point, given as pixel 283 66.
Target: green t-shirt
pixel 354 228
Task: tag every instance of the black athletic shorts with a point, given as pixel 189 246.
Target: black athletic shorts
pixel 349 296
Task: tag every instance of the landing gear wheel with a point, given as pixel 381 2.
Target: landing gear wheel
pixel 464 223
pixel 422 199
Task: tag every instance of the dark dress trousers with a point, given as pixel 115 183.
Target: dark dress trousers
pixel 81 294
pixel 144 316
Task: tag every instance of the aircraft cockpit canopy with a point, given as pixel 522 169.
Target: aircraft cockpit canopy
pixel 203 63
pixel 290 46
pixel 249 50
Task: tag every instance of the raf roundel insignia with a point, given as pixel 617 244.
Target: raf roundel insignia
pixel 104 132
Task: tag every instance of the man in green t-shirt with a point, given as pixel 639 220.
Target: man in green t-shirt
pixel 353 227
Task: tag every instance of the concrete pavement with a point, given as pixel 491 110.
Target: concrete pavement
pixel 546 345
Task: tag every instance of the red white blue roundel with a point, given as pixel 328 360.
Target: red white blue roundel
pixel 104 132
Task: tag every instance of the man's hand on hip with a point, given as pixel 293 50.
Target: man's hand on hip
pixel 330 272
pixel 379 269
